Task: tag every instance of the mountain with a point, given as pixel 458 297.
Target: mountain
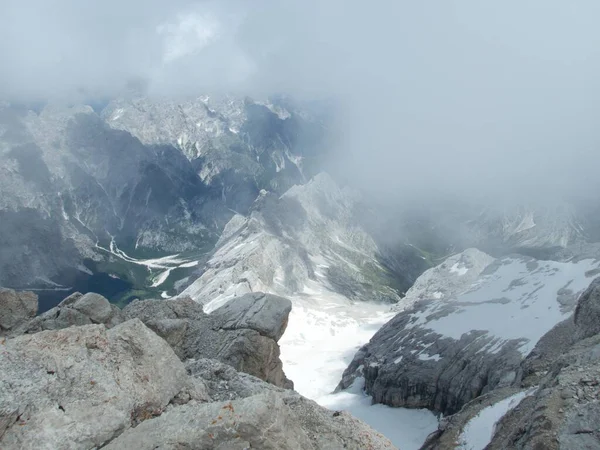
pixel 466 327
pixel 308 238
pixel 88 201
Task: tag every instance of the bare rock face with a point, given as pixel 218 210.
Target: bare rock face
pixel 242 335
pixel 82 386
pixel 16 308
pixel 267 421
pixel 77 309
pixel 249 413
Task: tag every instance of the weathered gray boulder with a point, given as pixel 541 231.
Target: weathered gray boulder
pixel 76 310
pixel 242 336
pixel 80 387
pixel 16 308
pixel 96 307
pixel 268 314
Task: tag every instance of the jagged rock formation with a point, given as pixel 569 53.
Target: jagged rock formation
pixel 560 411
pixel 87 387
pixel 463 339
pixel 16 308
pixel 307 239
pixel 244 337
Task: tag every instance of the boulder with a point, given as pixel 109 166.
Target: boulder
pixel 76 310
pixel 268 314
pixel 223 382
pixel 16 308
pixel 94 306
pixel 80 387
pixel 241 335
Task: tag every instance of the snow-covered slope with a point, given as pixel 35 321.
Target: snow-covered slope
pixel 467 334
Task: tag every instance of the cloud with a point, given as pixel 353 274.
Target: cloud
pixel 455 97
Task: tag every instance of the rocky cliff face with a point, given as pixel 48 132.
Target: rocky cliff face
pixel 467 333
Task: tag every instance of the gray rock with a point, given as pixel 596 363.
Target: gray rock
pixel 268 420
pixel 587 314
pixel 265 313
pixel 68 301
pixel 76 310
pixel 16 308
pixel 94 306
pixel 564 413
pixel 82 386
pixel 193 334
pixel 461 371
pixel 564 410
pixel 223 382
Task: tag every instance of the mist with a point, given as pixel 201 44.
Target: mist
pixel 460 99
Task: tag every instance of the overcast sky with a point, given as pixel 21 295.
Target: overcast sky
pixel 458 96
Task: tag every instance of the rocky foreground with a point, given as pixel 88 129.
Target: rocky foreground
pixel 157 375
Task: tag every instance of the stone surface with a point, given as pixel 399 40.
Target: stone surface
pixel 234 340
pixel 260 312
pixel 89 387
pixel 94 306
pixel 76 310
pixel 254 414
pixel 16 308
pixel 82 386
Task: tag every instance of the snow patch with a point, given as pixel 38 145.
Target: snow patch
pixel 406 428
pixel 478 432
pixel 459 270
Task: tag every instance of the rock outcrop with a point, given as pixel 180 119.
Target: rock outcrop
pixel 243 334
pixel 249 413
pixel 77 309
pixel 16 308
pixel 87 387
pixel 462 339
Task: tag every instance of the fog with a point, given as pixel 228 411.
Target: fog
pixel 455 98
